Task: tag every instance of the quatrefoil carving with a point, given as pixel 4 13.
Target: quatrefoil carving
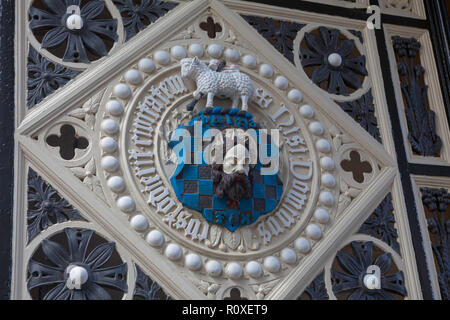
pixel 356 166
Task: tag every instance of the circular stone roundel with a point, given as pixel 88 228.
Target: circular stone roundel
pixel 246 215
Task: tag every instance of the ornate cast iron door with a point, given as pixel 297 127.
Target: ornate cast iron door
pixel 110 202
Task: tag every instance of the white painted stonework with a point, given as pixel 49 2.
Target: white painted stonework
pixel 121 182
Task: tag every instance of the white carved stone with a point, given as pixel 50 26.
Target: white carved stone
pixel 114 108
pixel 326 198
pixel 249 61
pixel 288 256
pixel 133 77
pixel 254 269
pixel 328 180
pixel 232 54
pixel 296 96
pixel 322 215
pixel 327 163
pixel 272 264
pixel 323 146
pixel 213 268
pixel 234 270
pixel 281 82
pixel 197 50
pixel 108 145
pixel 78 276
pixel 302 245
pixel 232 84
pixel 161 57
pixel 146 65
pixel 173 252
pixel 178 52
pixel 110 163
pixel 215 50
pixel 316 128
pixel 139 223
pixel 193 261
pixel 126 204
pixel 110 126
pixel 116 184
pixel 307 111
pixel 335 59
pixel 266 70
pixel 314 232
pixel 122 91
pixel 155 238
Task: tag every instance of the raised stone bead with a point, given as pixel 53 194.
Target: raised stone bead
pixel 327 163
pixel 323 146
pixel 313 231
pixel 114 108
pixel 155 238
pixel 335 60
pixel 173 252
pixel 213 268
pixel 254 269
pixel 272 264
pixel 326 198
pixel 133 77
pixel 328 180
pixel 232 54
pixel 178 52
pixel 316 128
pixel 322 216
pixel 196 49
pixel 215 50
pixel 288 256
pixel 162 57
pixel 295 96
pixel 302 245
pixel 126 204
pixel 139 223
pixel 234 270
pixel 108 145
pixel 307 111
pixel 122 91
pixel 109 126
pixel 193 261
pixel 281 83
pixel 249 61
pixel 116 184
pixel 266 70
pixel 110 163
pixel 146 65
pixel 74 22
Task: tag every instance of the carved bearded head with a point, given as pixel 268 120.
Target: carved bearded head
pixel 233 157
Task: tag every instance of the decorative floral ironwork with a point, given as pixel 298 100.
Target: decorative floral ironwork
pixel 137 16
pixel 355 267
pixel 363 111
pixel 421 120
pixel 44 77
pixel 381 224
pixel 340 74
pixel 281 34
pixel 80 28
pixel 437 202
pixel 92 278
pixel 147 289
pixel 316 290
pixel 45 206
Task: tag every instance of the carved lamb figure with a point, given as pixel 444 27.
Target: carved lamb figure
pixel 226 84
